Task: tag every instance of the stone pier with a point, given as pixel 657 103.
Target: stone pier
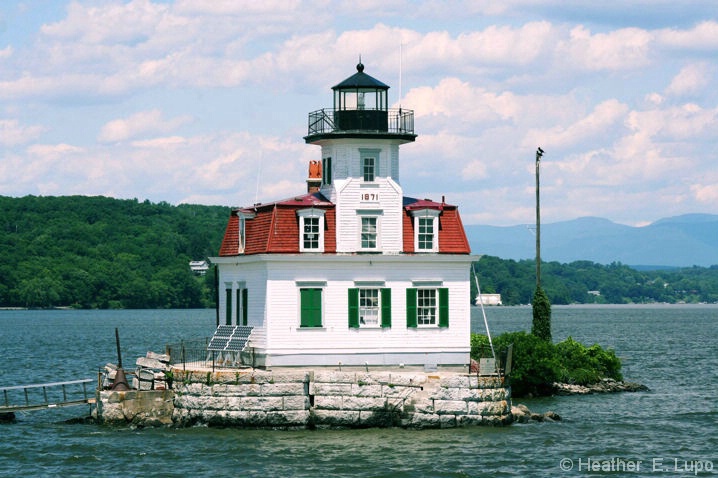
pixel 315 399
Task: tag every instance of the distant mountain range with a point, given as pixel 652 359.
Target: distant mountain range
pixel 680 241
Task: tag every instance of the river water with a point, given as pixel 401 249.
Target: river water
pixel 672 430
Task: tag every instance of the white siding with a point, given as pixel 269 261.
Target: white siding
pixel 335 338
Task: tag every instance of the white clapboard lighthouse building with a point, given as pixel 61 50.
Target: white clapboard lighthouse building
pixel 351 272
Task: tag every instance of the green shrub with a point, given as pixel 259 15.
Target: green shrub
pixel 537 364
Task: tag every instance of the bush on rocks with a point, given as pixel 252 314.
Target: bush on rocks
pixel 537 365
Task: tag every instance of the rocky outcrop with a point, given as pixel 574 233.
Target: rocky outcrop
pixel 522 414
pixel 606 385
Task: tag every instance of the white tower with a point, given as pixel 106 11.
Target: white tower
pixel 360 138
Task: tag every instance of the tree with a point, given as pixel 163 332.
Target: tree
pixel 541 326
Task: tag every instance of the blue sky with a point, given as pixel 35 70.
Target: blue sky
pixel 206 101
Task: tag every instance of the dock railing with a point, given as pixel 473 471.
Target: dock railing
pixel 46 395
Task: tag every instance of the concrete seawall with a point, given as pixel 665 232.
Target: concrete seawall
pixel 308 399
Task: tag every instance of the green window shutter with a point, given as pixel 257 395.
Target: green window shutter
pixel 411 308
pixel 311 307
pixel 228 307
pixel 245 295
pixel 353 308
pixel 443 307
pixel 385 307
pixel 239 306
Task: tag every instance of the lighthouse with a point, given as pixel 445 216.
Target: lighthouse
pixel 352 271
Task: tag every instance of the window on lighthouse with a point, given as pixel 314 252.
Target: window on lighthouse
pixel 369 168
pixel 426 230
pixel 426 233
pixel 311 230
pixel 368 232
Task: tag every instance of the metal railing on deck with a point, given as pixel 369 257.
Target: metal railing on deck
pixel 189 353
pixel 391 121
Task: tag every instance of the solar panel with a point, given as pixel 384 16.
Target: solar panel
pixel 231 338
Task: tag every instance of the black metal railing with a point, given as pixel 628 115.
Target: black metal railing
pixel 391 121
pixel 189 353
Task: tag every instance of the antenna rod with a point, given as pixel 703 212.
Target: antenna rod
pixel 401 55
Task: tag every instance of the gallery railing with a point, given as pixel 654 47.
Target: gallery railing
pixel 392 121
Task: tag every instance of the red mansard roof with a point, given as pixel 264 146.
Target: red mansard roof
pixel 452 237
pixel 274 227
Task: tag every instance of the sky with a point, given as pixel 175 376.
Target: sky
pixel 206 101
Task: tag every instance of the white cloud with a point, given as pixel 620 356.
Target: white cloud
pixel 594 126
pixel 626 48
pixel 704 36
pixel 53 151
pixel 12 133
pixel 143 123
pixel 693 78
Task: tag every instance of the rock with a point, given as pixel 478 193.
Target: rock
pixel 607 385
pixel 553 416
pixel 161 357
pixel 522 414
pixel 151 363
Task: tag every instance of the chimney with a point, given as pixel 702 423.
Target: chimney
pixel 314 181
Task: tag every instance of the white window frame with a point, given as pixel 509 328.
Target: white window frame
pixel 433 309
pixel 374 155
pixel 425 214
pixel 361 232
pixel 242 230
pixel 365 308
pixel 313 213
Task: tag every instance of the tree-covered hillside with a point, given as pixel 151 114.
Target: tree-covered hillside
pixel 99 252
pixel 584 282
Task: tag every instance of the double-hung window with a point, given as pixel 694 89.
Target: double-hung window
pixel 369 307
pixel 311 230
pixel 369 164
pixel 243 217
pixel 368 232
pixel 426 230
pixel 368 169
pixel 427 307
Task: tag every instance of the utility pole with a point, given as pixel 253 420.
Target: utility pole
pixel 539 153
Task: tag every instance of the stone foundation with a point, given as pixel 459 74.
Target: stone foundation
pixel 307 399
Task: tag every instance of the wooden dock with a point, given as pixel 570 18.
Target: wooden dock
pixel 41 396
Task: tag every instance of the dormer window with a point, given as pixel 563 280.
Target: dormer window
pixel 311 230
pixel 426 230
pixel 243 216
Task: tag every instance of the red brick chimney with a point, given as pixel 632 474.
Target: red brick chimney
pixel 314 181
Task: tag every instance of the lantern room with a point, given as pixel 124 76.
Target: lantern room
pixel 361 109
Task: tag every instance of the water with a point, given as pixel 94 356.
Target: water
pixel 672 430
